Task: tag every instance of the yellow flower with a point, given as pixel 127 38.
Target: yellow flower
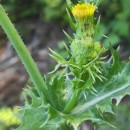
pixel 83 10
pixel 8 117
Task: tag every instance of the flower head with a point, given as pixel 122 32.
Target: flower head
pixel 8 117
pixel 83 10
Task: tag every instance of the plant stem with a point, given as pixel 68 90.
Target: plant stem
pixel 22 51
pixel 69 106
pixel 75 128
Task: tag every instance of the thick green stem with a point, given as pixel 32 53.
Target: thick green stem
pixel 75 128
pixel 22 51
pixel 69 106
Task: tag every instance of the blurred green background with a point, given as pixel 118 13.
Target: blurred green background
pixel 115 15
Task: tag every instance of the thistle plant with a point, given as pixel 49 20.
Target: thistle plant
pixel 81 86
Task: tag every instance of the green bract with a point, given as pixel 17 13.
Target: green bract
pixel 81 86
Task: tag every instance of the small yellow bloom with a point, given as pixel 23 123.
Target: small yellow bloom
pixel 83 10
pixel 8 117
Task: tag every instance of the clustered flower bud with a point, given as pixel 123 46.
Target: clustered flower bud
pixel 84 48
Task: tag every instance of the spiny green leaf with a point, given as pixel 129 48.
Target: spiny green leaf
pixel 56 68
pixel 34 117
pixel 118 85
pixel 69 38
pixel 90 63
pixel 98 24
pixel 58 90
pixel 72 24
pixel 114 64
pixel 56 122
pixel 67 49
pixel 56 56
pixel 35 100
pixel 69 3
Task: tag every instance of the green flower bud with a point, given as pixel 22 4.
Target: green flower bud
pixel 94 54
pixel 98 48
pixel 78 50
pixel 88 42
